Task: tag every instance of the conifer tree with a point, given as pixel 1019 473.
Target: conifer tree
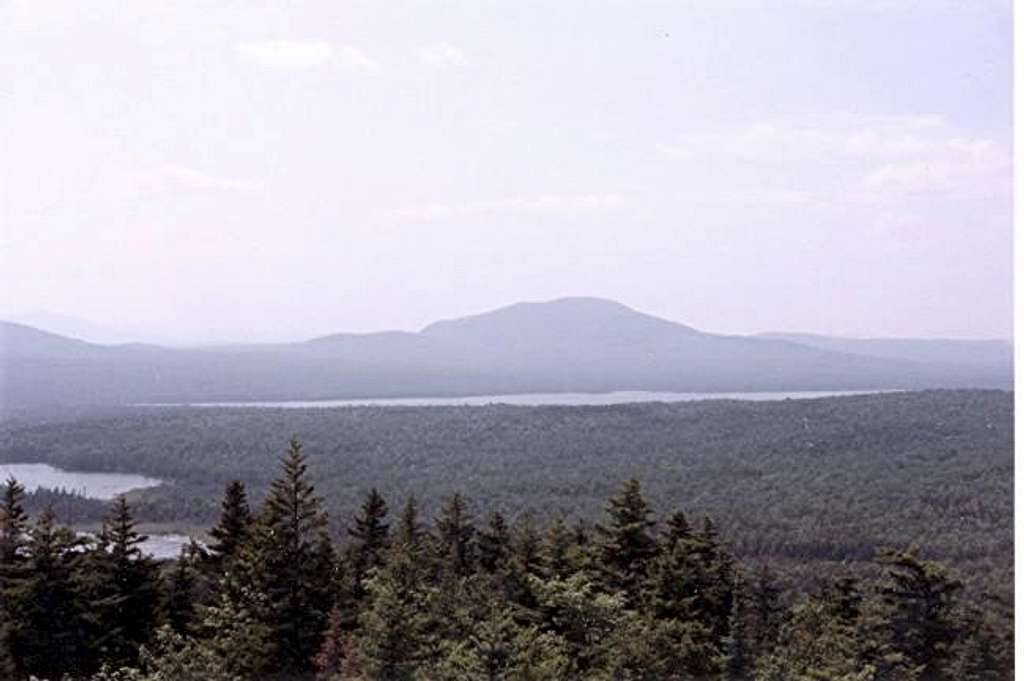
pixel 410 531
pixel 816 645
pixel 920 622
pixel 558 557
pixel 526 546
pixel 232 529
pixel 983 656
pixel 766 609
pixel 124 587
pixel 455 537
pixel 625 547
pixel 738 649
pixel 677 529
pixel 294 564
pixel 179 592
pixel 369 539
pixel 50 635
pixel 844 598
pixel 13 539
pixel 13 523
pixel 494 542
pixel 334 649
pixel 394 635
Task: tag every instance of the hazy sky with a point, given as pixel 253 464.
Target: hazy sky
pixel 259 170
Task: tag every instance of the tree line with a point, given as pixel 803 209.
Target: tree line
pixel 463 597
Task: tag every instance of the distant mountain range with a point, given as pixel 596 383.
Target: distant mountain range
pixel 566 345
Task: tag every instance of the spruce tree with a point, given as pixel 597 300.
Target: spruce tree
pixel 625 547
pixel 410 531
pixel 50 633
pixel 13 523
pixel 178 607
pixel 124 587
pixel 455 537
pixel 919 598
pixel 766 609
pixel 293 566
pixel 369 535
pixel 232 529
pixel 558 558
pixel 494 542
pixel 526 546
pixel 394 635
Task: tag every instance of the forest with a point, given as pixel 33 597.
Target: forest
pixel 790 483
pixel 637 594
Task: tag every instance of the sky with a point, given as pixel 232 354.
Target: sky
pixel 243 170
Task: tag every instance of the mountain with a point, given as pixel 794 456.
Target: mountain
pixel 971 352
pixel 73 327
pixel 566 345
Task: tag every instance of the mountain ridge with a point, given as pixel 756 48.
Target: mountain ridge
pixel 564 345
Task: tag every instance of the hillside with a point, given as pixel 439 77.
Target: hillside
pixel 567 345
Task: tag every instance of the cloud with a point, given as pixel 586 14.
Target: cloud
pixel 441 54
pixel 550 204
pixel 299 55
pixel 843 158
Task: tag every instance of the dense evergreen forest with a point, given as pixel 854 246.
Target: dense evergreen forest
pixel 466 596
pixel 791 483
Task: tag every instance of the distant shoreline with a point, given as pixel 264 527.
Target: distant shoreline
pixel 524 399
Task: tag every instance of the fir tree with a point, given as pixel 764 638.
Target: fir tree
pixel 124 587
pixel 454 535
pixel 232 529
pixel 526 546
pixel 369 539
pixel 410 532
pixel 558 557
pixel 393 639
pixel 179 592
pixel 494 543
pixel 13 523
pixel 766 609
pixel 625 546
pixel 677 529
pixel 293 569
pixel 50 634
pixel 919 600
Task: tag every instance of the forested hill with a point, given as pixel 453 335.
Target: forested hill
pixel 568 345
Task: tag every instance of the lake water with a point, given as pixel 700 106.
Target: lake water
pixel 529 399
pixel 92 485
pixel 95 486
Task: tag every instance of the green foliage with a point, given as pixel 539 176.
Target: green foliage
pixel 49 633
pixel 527 599
pixel 122 584
pixel 454 535
pixel 293 565
pixel 232 529
pixel 626 548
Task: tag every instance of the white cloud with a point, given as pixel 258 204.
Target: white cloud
pixel 550 204
pixel 441 54
pixel 298 55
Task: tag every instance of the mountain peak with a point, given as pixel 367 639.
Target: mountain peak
pixel 562 318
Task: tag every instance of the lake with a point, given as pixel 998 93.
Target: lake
pixel 92 485
pixel 529 399
pixel 104 486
